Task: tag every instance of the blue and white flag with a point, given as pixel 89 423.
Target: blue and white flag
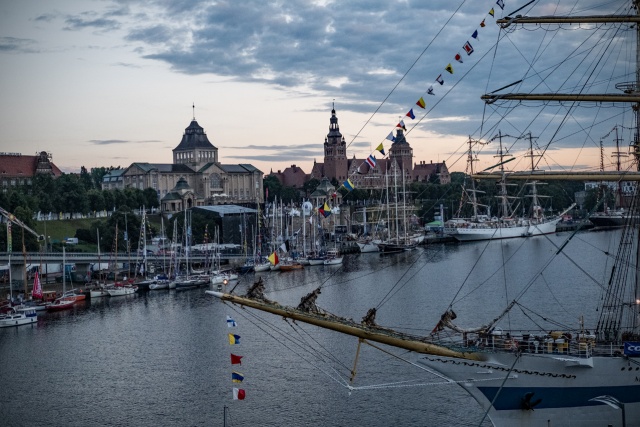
pixel 231 323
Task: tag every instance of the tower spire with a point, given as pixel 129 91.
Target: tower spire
pixel 193 106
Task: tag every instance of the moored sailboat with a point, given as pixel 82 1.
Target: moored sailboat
pixel 542 375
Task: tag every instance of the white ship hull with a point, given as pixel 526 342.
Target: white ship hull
pixel 564 386
pixel 466 234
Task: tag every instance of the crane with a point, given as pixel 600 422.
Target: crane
pixel 11 217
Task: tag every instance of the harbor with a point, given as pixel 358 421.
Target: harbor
pixel 163 356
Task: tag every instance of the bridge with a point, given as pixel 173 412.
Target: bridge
pixel 17 258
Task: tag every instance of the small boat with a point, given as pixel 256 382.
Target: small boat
pixel 368 246
pixel 98 291
pixel 290 266
pixel 333 258
pixel 262 266
pixel 120 289
pixel 218 277
pixel 75 294
pixel 159 284
pixel 21 316
pixel 61 304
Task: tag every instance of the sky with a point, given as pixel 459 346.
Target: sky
pixel 112 82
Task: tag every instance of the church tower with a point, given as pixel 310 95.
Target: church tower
pixel 401 154
pixel 194 149
pixel 335 151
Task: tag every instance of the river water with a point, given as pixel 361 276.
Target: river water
pixel 163 357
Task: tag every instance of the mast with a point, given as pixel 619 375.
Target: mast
pixel 504 197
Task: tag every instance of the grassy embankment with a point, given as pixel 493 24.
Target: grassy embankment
pixel 60 229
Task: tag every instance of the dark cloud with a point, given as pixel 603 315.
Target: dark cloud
pixel 108 141
pixel 16 45
pixel 379 57
pixel 89 20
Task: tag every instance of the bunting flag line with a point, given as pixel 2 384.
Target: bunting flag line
pixel 430 91
pixel 273 258
pixel 482 24
pixel 390 137
pixel 234 339
pixel 458 58
pixel 321 211
pixel 348 185
pixel 449 68
pixel 440 80
pixel 371 161
pixel 491 12
pixel 380 147
pixel 236 360
pixel 238 394
pixel 421 103
pixel 500 4
pixel 475 35
pixel 468 48
pixel 237 377
pixel 401 125
pixel 231 323
pixel 410 114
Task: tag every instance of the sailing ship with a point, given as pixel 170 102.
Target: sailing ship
pixel 508 225
pixel 564 375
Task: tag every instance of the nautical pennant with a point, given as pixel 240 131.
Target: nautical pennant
pixel 410 114
pixel 482 24
pixel 421 103
pixel 390 137
pixel 348 185
pixel 231 323
pixel 475 35
pixel 401 125
pixel 237 377
pixel 458 58
pixel 234 339
pixel 440 80
pixel 430 91
pixel 500 4
pixel 468 48
pixel 236 360
pixel 326 210
pixel 491 12
pixel 371 161
pixel 273 258
pixel 449 68
pixel 380 147
pixel 238 394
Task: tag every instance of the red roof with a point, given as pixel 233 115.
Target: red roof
pixel 17 166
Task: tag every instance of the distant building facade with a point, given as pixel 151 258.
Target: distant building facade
pixel 397 166
pixel 197 171
pixel 17 169
pixel 293 176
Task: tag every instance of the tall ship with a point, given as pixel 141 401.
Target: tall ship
pixel 482 226
pixel 536 371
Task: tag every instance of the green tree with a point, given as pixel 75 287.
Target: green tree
pixel 150 198
pixel 96 200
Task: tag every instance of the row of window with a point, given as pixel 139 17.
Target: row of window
pixel 15 181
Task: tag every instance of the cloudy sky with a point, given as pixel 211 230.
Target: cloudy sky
pixel 111 82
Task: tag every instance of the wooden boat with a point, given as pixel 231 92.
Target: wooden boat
pixel 290 266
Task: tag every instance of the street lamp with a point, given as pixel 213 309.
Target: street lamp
pixel 614 403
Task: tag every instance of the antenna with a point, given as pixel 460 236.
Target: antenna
pixel 193 106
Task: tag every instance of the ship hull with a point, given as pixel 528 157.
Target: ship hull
pixel 546 390
pixel 487 233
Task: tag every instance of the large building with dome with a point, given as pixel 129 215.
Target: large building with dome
pixel 196 177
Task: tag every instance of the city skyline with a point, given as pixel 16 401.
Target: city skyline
pixel 109 83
